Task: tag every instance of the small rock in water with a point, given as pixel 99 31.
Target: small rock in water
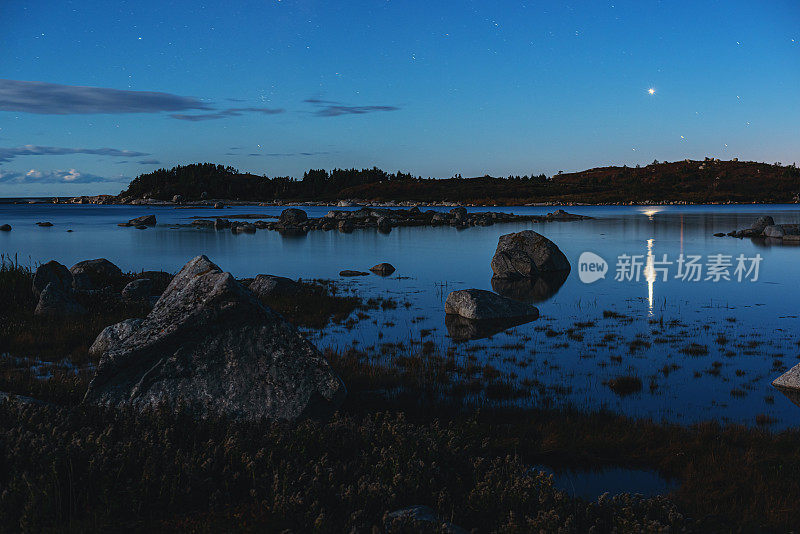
pixel 5 228
pixel 348 272
pixel 46 224
pixel 144 220
pixel 383 269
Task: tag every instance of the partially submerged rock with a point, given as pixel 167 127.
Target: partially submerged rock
pixel 774 230
pixel 527 254
pixel 383 269
pixel 5 228
pixel 51 272
pixel 292 216
pixel 349 272
pixel 95 274
pixel 479 304
pixel 144 220
pixel 761 223
pixel 210 345
pixel 55 302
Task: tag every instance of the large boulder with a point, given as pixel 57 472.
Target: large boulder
pixel 211 346
pixel 479 304
pixel 90 275
pixel 761 223
pixel 51 272
pixel 267 285
pixel 144 220
pixel 55 302
pixel 526 254
pixel 292 216
pixel 383 269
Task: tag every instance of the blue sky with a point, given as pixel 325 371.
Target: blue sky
pixel 432 88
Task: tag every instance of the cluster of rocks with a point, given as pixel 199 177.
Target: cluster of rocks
pixel 211 346
pixel 141 223
pixel 60 290
pixel 296 220
pixel 522 259
pixel 765 227
pixel 381 269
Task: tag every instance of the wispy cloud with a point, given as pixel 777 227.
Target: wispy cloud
pixel 56 99
pixel 9 153
pixel 71 176
pixel 330 108
pixel 225 113
pixel 149 162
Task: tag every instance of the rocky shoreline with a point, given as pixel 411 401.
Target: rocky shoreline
pixel 294 220
pixel 765 228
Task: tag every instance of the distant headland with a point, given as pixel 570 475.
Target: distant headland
pixel 682 182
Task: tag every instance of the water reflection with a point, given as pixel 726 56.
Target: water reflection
pixel 463 329
pixel 531 290
pixel 650 275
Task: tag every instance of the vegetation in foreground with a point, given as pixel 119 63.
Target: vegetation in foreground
pixel 412 431
pixel 690 181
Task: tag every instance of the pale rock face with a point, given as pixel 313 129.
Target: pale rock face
pixel 211 345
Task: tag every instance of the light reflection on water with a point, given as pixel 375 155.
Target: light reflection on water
pixel 759 319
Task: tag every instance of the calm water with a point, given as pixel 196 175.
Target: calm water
pixel 747 328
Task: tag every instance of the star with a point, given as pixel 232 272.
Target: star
pixel 651 91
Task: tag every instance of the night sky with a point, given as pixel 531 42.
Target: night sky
pixel 94 93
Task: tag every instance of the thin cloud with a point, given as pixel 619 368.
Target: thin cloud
pixel 71 176
pixel 9 153
pixel 56 99
pixel 330 108
pixel 225 113
pixel 149 162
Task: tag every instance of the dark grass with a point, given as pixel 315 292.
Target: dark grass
pixel 317 303
pixel 26 335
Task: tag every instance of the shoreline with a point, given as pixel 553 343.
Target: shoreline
pixel 357 203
